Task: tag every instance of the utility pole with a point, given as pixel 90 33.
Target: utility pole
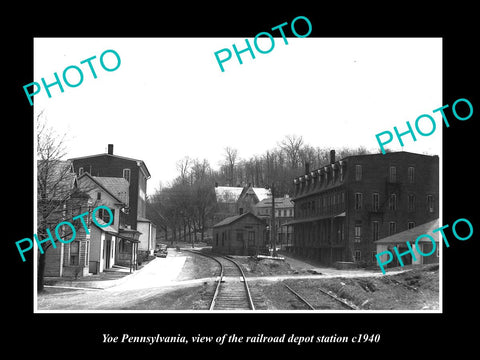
pixel 273 232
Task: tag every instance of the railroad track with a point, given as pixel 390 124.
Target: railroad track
pixel 309 305
pixel 232 291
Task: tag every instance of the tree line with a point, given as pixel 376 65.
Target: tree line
pixel 184 209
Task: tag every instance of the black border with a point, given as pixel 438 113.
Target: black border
pixel 55 333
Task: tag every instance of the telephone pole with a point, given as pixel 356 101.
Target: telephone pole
pixel 273 232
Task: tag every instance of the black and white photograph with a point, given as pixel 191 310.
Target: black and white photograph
pixel 260 187
pixel 239 182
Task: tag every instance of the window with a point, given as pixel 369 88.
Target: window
pixel 393 174
pixel 430 203
pixel 411 174
pixel 411 202
pixel 358 255
pixel 358 233
pixel 358 172
pixel 392 228
pixel 411 225
pixel 240 236
pixel 126 174
pixel 251 238
pixel 216 239
pixel 99 196
pixel 375 230
pixel 104 215
pixel 392 202
pixel 80 171
pixel 375 201
pixel 74 253
pixel 358 201
pixel 223 239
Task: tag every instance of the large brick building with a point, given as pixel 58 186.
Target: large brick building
pixel 342 208
pixel 110 166
pixel 133 170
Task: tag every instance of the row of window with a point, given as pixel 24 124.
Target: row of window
pixel 325 177
pixel 358 255
pixel 239 237
pixel 392 174
pixel 336 202
pixel 88 169
pixel 278 212
pixel 323 204
pixel 392 229
pixel 393 202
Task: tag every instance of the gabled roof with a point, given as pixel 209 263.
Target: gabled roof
pixel 230 220
pixel 412 234
pixel 117 186
pixel 280 202
pixel 104 187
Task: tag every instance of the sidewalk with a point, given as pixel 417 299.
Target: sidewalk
pixel 108 278
pixel 156 272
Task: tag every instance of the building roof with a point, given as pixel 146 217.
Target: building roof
pixel 227 194
pixel 230 220
pixel 140 163
pixel 110 187
pixel 116 186
pixel 262 193
pixel 412 234
pixel 280 202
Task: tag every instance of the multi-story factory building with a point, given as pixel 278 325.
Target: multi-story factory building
pixel 342 208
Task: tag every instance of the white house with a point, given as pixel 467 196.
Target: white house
pixel 147 237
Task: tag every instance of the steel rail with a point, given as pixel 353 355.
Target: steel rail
pixel 300 297
pixel 219 282
pixel 250 301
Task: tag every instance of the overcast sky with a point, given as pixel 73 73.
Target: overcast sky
pixel 169 99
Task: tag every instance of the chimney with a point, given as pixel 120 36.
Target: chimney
pixel 307 167
pixel 110 149
pixel 332 156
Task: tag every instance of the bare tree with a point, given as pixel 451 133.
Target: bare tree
pixel 57 196
pixel 230 158
pixel 183 166
pixel 292 146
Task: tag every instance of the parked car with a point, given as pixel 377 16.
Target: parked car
pixel 161 251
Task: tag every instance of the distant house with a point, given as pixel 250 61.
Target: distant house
pixel 233 200
pixel 284 212
pixel 399 240
pixel 243 234
pixel 226 197
pixel 250 197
